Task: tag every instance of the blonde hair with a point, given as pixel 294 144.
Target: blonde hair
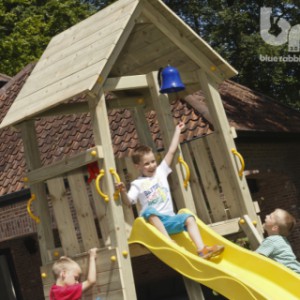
pixel 64 263
pixel 139 152
pixel 285 222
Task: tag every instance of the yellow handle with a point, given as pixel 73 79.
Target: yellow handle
pixel 118 180
pixel 32 216
pixel 187 169
pixel 241 161
pixel 97 183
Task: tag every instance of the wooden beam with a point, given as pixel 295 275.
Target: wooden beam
pixel 200 203
pixel 136 82
pixel 83 210
pixel 65 109
pixel 65 165
pixel 33 161
pixel 126 102
pixel 227 227
pixel 125 83
pixel 254 237
pixel 114 209
pixel 63 216
pixel 240 202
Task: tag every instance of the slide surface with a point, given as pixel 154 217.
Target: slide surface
pixel 236 274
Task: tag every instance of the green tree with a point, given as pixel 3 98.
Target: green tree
pixel 232 28
pixel 26 27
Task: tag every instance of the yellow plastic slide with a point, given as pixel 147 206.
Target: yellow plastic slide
pixel 237 273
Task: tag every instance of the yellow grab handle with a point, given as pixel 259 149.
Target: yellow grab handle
pixel 97 183
pixel 187 169
pixel 118 180
pixel 234 151
pixel 32 216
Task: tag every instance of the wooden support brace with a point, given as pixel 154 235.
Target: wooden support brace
pixel 251 232
pixel 65 165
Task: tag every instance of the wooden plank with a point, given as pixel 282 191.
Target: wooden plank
pixel 102 19
pixel 70 87
pixel 142 127
pixel 182 196
pixel 65 109
pixel 254 237
pixel 227 227
pixel 221 167
pixel 114 208
pixel 41 209
pixel 102 217
pixel 132 174
pixel 74 64
pixel 65 165
pixel 128 213
pixel 199 199
pixel 243 202
pixel 193 289
pixel 209 180
pixel 58 52
pixel 125 83
pixel 83 210
pixel 63 216
pixel 97 89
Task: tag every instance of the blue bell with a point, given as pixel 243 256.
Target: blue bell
pixel 169 80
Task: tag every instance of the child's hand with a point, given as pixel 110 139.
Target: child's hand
pixel 120 186
pixel 93 252
pixel 180 126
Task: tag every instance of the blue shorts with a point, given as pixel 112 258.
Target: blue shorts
pixel 173 224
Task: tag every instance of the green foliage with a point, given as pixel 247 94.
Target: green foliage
pixel 26 27
pixel 232 28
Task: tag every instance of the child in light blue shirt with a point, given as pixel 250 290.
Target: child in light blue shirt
pixel 278 226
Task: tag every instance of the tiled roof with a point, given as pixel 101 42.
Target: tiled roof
pixel 65 135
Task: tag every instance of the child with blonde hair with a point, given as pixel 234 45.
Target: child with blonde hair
pixel 67 273
pixel 278 225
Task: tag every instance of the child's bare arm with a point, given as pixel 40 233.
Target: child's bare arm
pixel 121 186
pixel 91 278
pixel 174 143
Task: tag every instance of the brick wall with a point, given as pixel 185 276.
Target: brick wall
pixel 26 261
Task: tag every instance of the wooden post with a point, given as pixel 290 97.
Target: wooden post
pixel 33 161
pixel 114 208
pixel 235 188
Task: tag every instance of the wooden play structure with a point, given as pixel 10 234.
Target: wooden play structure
pixel 119 50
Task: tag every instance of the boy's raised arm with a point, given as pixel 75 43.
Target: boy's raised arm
pixel 174 143
pixel 121 186
pixel 91 278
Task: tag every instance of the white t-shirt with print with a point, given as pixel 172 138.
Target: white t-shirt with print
pixel 153 191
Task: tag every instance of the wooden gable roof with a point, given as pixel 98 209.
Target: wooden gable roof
pixel 129 37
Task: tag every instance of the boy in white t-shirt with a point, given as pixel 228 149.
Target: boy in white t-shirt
pixel 152 190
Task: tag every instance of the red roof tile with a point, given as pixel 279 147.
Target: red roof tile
pixel 66 135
